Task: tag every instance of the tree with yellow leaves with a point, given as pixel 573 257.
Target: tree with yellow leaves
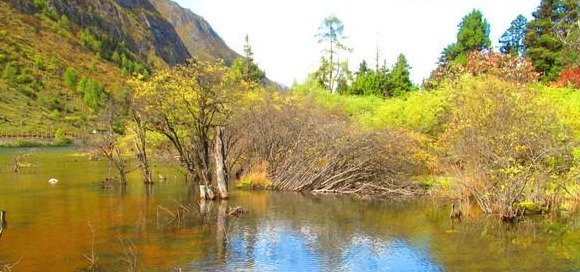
pixel 188 104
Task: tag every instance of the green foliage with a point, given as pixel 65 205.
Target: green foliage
pixel 116 58
pixel 88 40
pixel 63 22
pixel 399 82
pixel 51 13
pixel 11 72
pixel 40 4
pixel 418 111
pixel 543 40
pixel 71 78
pixel 473 32
pixel 43 8
pixel 473 35
pixel 367 82
pixel 40 63
pixel 93 93
pixel 512 41
pixel 244 69
pixel 382 83
pixel 109 49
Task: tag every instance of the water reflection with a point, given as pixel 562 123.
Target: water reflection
pixel 48 227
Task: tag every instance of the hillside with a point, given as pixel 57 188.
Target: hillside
pixel 135 23
pixel 35 55
pixel 61 59
pixel 195 32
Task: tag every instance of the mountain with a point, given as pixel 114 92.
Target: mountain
pixel 136 23
pixel 61 59
pixel 195 32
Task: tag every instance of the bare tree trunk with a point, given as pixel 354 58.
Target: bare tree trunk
pixel 220 163
pixel 141 145
pixel 119 162
pixel 206 192
pixel 2 221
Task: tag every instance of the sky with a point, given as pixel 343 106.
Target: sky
pixel 282 32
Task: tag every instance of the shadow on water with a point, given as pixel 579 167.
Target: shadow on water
pixel 165 228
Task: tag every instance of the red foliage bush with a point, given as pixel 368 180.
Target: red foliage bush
pixel 506 67
pixel 570 77
pixel 509 68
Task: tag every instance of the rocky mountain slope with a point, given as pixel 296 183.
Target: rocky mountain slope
pixel 195 32
pixel 136 23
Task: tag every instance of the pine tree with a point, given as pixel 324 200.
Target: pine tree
pixel 512 41
pixel 399 79
pixel 568 32
pixel 542 44
pixel 248 50
pixel 245 68
pixel 473 35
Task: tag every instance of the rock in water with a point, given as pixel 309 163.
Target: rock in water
pixel 53 181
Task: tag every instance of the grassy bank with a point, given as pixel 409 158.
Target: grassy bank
pixel 35 143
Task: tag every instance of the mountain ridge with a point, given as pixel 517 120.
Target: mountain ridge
pixel 197 34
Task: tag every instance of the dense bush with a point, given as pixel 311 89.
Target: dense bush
pixel 504 144
pixel 308 147
pixel 570 77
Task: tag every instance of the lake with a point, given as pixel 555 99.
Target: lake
pixel 165 228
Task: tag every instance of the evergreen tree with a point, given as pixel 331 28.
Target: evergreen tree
pixel 250 71
pixel 542 44
pixel 399 79
pixel 568 32
pixel 245 69
pixel 369 82
pixel 473 35
pixel 248 50
pixel 512 41
pixel 361 83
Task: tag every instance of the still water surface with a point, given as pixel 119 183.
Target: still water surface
pixel 49 228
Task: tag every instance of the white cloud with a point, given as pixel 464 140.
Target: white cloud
pixel 282 32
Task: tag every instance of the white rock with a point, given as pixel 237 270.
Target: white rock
pixel 52 181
